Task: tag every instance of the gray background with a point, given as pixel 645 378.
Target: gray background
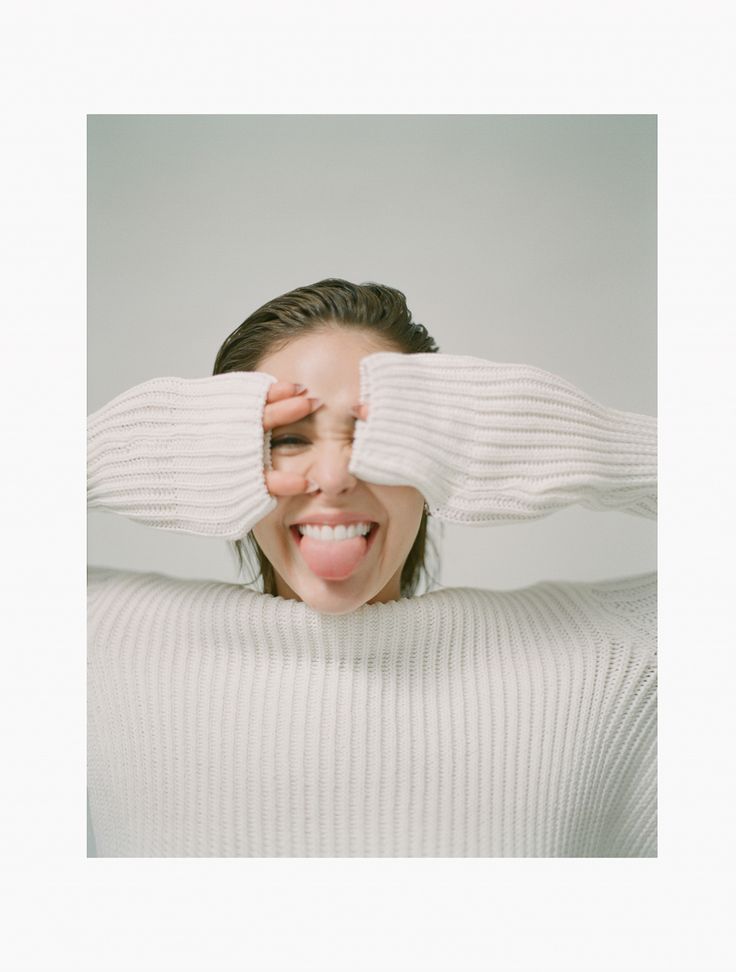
pixel 516 238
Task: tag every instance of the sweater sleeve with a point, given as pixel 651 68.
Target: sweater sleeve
pixel 184 454
pixel 492 443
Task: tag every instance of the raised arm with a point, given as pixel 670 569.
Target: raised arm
pixel 487 442
pixel 183 454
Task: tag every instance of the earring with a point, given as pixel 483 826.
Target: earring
pixel 426 509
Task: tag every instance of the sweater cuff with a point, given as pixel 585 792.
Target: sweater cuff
pixel 185 454
pixel 487 442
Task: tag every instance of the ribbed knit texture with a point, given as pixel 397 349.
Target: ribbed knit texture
pixel 183 454
pixel 463 722
pixel 487 442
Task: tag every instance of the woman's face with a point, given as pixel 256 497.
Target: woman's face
pixel 319 448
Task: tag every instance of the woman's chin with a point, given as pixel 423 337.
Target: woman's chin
pixel 331 596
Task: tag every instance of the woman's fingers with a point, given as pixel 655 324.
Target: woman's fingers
pixel 280 483
pixel 286 402
pixel 286 410
pixel 283 389
pixel 360 412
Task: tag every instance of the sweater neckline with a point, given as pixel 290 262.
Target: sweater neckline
pixel 300 612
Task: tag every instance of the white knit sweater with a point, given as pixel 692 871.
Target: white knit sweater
pixel 462 722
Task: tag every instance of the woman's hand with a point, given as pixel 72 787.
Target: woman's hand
pixel 286 404
pixel 360 412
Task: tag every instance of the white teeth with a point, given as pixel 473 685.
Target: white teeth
pixel 340 532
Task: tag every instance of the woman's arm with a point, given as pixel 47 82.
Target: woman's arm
pixel 487 442
pixel 183 454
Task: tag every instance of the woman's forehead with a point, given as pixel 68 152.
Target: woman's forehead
pixel 317 344
pixel 326 418
pixel 327 363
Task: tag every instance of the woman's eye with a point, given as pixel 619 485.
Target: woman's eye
pixel 286 440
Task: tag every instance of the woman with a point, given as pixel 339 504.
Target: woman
pixel 336 713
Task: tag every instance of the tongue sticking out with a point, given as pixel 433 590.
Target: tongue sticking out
pixel 333 559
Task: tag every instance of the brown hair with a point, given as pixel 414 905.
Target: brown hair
pixel 373 308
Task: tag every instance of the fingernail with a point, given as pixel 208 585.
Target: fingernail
pixel 298 389
pixel 315 402
pixel 313 487
pixel 354 411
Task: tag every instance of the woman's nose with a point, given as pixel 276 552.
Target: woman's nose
pixel 329 469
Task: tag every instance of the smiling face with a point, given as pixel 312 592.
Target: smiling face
pixel 319 448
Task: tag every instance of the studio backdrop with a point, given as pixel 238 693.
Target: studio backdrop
pixel 515 238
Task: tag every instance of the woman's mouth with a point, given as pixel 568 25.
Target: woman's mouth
pixel 298 537
pixel 334 559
